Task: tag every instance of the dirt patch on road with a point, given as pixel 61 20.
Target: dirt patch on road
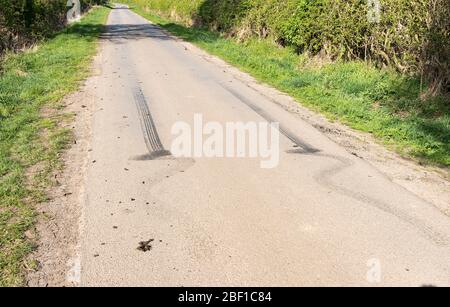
pixel 58 225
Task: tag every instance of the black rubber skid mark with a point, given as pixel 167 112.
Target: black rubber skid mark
pixel 303 146
pixel 151 137
pixel 324 178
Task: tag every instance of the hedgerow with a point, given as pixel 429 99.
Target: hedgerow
pixel 413 36
pixel 23 22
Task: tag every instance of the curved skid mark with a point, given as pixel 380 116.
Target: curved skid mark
pixel 324 178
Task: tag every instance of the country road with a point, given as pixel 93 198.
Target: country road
pixel 322 216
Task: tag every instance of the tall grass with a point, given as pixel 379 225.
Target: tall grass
pixel 30 81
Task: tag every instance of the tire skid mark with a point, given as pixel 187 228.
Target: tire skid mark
pixel 324 177
pixel 304 147
pixel 151 137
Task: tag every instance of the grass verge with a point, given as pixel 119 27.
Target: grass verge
pixel 32 85
pixel 381 102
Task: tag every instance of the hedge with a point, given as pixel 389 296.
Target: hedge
pixel 23 22
pixel 413 36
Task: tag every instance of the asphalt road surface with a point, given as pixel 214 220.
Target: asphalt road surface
pixel 321 217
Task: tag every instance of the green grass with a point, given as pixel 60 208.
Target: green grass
pixel 32 85
pixel 381 102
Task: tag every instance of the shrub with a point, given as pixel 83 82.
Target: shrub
pixel 412 35
pixel 22 22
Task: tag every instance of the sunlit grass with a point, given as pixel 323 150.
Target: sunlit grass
pixel 30 81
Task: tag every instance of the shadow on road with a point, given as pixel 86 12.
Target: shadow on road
pixel 133 31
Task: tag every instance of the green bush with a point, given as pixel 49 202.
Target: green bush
pixel 22 22
pixel 413 36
